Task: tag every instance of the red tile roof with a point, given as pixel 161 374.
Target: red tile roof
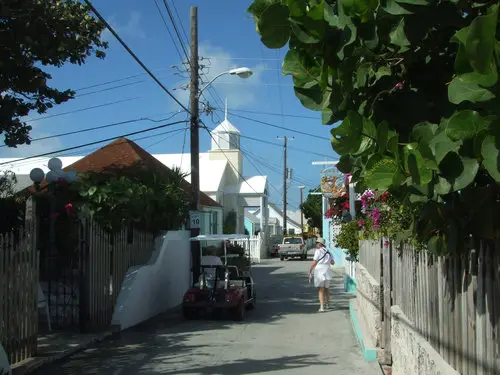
pixel 122 154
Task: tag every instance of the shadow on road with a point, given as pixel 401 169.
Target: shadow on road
pixel 171 345
pixel 256 366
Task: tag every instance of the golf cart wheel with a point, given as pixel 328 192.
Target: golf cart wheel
pixel 188 314
pixel 303 257
pixel 239 311
pixel 282 258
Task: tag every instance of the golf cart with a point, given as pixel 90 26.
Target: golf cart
pixel 223 288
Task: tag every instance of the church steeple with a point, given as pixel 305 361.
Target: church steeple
pixel 225 112
pixel 226 135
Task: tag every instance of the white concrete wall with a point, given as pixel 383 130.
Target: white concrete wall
pixel 157 286
pixel 411 353
pixel 369 300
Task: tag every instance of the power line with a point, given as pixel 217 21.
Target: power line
pixel 83 109
pixel 271 114
pixel 94 143
pixel 99 127
pixel 90 150
pixel 111 88
pixel 118 80
pixel 176 30
pixel 180 21
pixel 169 33
pixel 210 90
pixel 291 148
pixel 279 127
pixel 258 170
pixel 131 53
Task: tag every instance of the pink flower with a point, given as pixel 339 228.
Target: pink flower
pixel 386 243
pixel 398 86
pixel 361 223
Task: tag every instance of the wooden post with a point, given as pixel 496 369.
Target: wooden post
pixel 386 281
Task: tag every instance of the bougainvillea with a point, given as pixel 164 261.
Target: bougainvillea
pixel 339 206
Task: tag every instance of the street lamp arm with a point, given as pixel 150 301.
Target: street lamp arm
pixel 211 81
pixel 240 72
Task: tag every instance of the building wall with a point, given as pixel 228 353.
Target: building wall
pixel 235 164
pixel 277 216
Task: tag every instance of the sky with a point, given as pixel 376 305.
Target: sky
pixel 115 89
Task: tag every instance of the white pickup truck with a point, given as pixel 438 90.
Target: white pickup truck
pixel 292 247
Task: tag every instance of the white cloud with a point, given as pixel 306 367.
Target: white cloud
pixel 239 92
pixel 130 29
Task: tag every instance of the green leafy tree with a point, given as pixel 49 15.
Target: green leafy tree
pixel 11 206
pixel 138 197
pixel 35 34
pixel 313 209
pixel 230 223
pixel 414 85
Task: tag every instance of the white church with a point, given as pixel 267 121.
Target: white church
pixel 221 178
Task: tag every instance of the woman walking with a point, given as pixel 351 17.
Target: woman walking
pixel 323 274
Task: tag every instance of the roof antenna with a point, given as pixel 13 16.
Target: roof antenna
pixel 225 111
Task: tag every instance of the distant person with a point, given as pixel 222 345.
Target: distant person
pixel 323 274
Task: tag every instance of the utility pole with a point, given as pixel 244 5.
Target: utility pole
pixel 195 142
pixel 285 177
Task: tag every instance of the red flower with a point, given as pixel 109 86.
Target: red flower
pixel 69 208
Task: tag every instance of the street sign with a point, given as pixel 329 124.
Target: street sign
pixel 194 219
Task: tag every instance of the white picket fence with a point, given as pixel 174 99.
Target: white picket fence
pixel 253 246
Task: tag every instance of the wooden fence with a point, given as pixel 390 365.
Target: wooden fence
pixel 108 259
pixel 453 302
pixel 369 257
pixel 18 295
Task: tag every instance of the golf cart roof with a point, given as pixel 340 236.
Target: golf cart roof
pixel 220 237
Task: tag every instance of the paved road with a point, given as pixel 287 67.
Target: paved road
pixel 284 335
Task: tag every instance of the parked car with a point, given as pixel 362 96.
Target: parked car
pixel 292 247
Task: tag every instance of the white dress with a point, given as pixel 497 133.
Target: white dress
pixel 323 273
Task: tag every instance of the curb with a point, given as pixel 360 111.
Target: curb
pixel 37 362
pixel 369 354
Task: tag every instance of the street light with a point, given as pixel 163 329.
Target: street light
pixel 242 72
pixel 55 173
